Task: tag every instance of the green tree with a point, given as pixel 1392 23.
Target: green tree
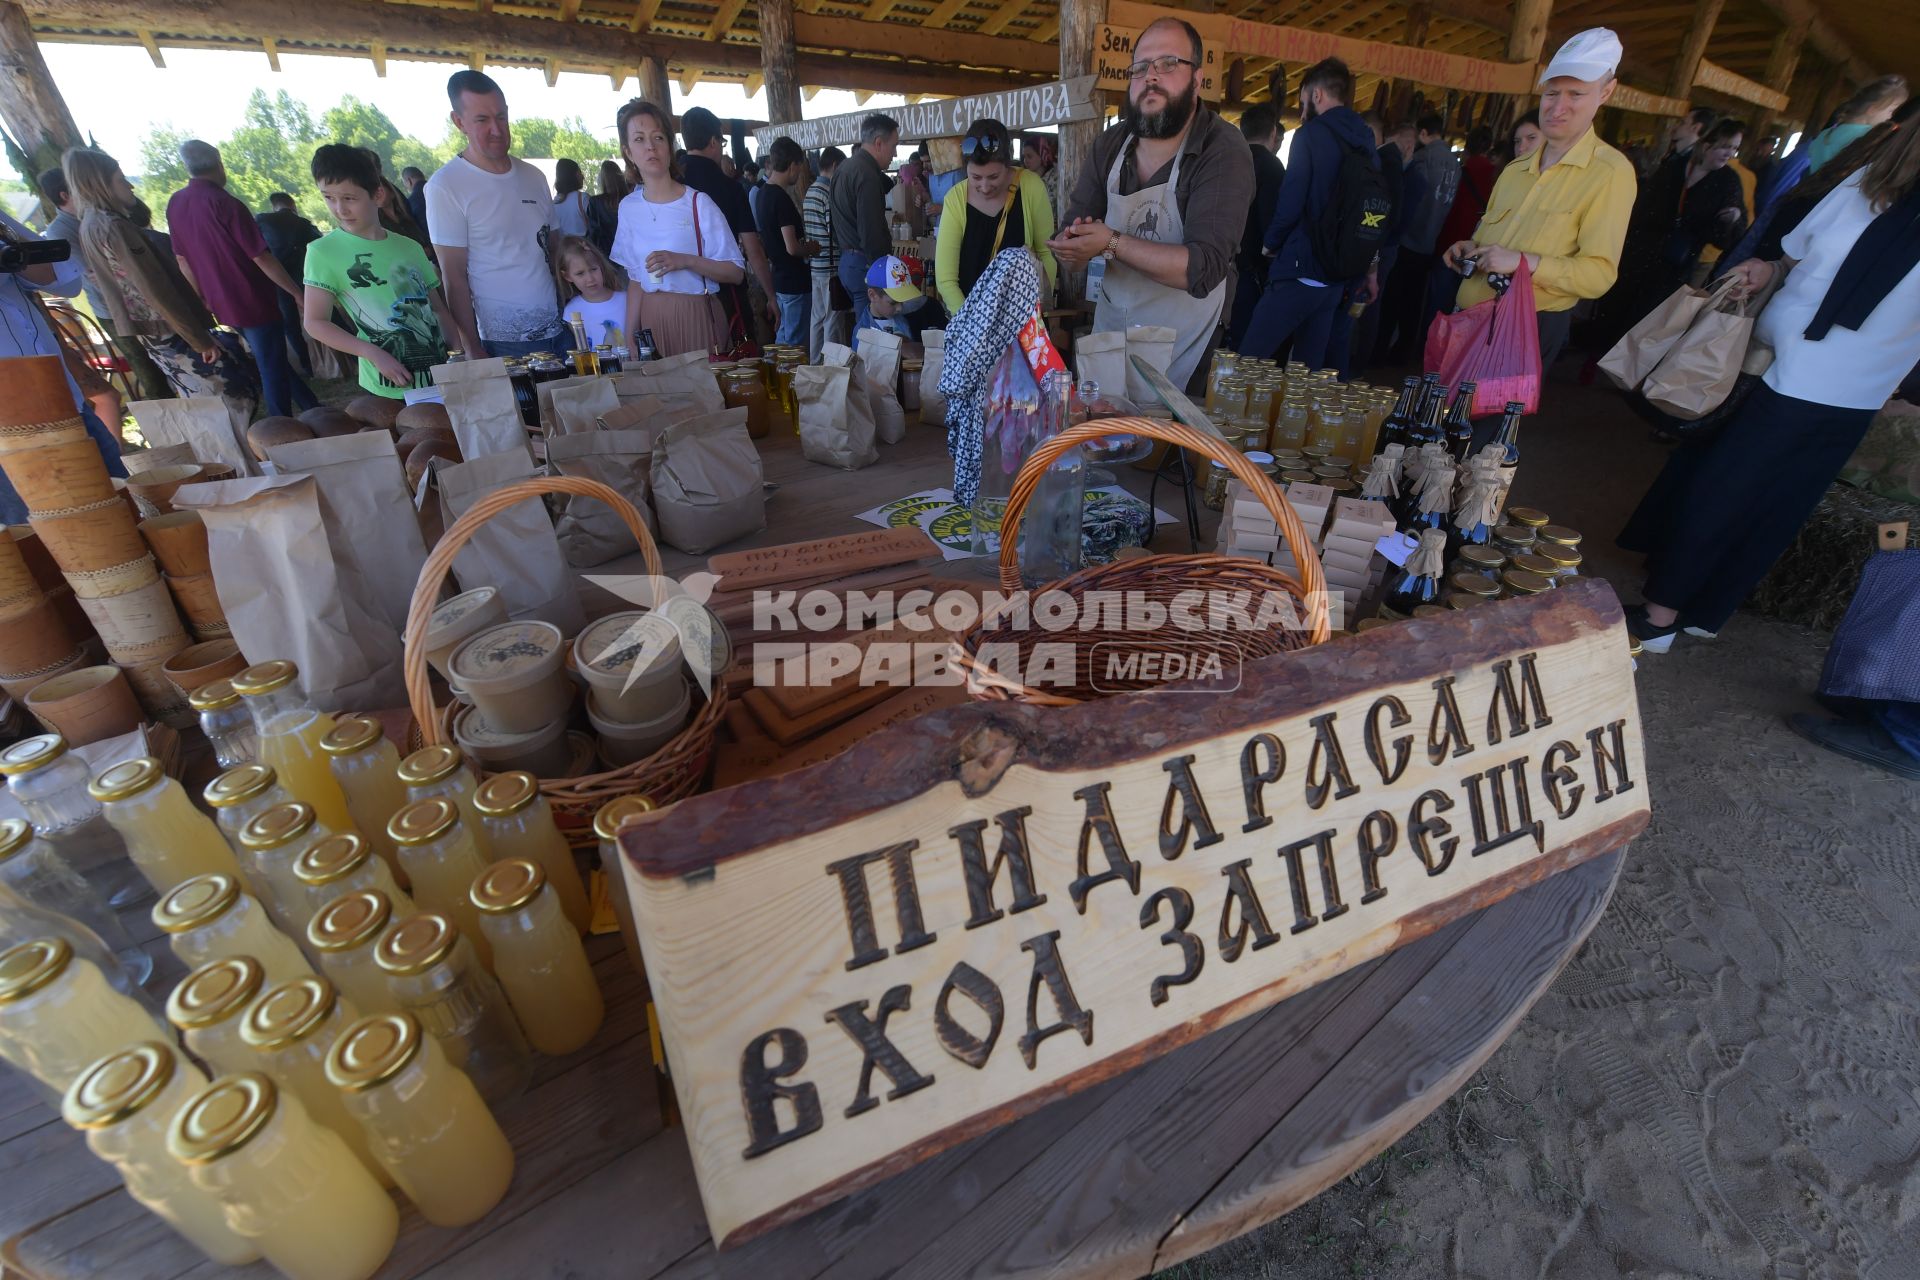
pixel 362 124
pixel 537 138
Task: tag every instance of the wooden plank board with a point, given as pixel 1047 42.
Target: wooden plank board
pixel 787 730
pixel 771 566
pixel 876 893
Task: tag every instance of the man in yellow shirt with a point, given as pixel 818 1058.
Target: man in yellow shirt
pixel 1564 206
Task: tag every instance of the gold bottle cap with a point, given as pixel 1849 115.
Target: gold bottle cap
pixel 15 835
pixel 118 1086
pixel 416 944
pixel 333 858
pixel 128 778
pixel 241 783
pixel 265 677
pixel 1557 554
pixel 1473 584
pixel 614 814
pixel 289 1013
pixel 1520 535
pixel 373 1049
pixel 32 965
pixel 214 992
pixel 507 885
pixel 277 825
pixel 423 821
pixel 430 764
pixel 351 735
pixel 1522 583
pixel 1482 557
pixel 215 695
pixel 1527 516
pixel 1559 533
pixel 505 794
pixel 29 754
pixel 192 903
pixel 1528 562
pixel 350 921
pixel 222 1118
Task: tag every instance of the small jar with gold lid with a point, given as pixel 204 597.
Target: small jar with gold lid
pixel 1520 582
pixel 443 771
pixel 208 1006
pixel 1479 559
pixel 1527 517
pixel 344 934
pixel 367 766
pixel 1462 600
pixel 58 1013
pixel 272 841
pixel 442 861
pixel 289 1185
pixel 519 824
pixel 168 839
pixel 428 1124
pixel 290 730
pixel 538 957
pixel 1564 559
pixel 290 1028
pixel 1558 534
pixel 1465 582
pixel 212 918
pixel 226 722
pixel 235 797
pixel 345 863
pixel 433 974
pixel 123 1103
pixel 607 822
pixel 1512 540
pixel 1529 562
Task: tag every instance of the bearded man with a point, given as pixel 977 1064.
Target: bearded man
pixel 1163 199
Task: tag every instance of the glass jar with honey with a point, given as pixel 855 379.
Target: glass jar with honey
pixel 212 918
pixel 744 389
pixel 168 839
pixel 58 1013
pixel 519 824
pixel 290 731
pixel 539 958
pixel 442 862
pixel 290 1028
pixel 434 975
pixel 208 1006
pixel 366 764
pixel 344 934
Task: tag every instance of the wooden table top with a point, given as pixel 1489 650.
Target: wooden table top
pixel 1154 1166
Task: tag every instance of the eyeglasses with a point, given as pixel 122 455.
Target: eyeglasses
pixel 979 146
pixel 1161 66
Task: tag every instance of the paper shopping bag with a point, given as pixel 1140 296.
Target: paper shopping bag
pixel 1700 367
pixel 1102 358
pixel 591 532
pixel 687 373
pixel 836 420
pixel 200 421
pixel 484 416
pixel 515 552
pixel 577 406
pixel 708 487
pixel 1647 343
pixel 879 355
pixel 361 479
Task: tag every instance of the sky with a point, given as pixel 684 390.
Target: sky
pixel 117 95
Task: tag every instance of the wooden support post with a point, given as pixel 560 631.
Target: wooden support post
pixel 654 85
pixel 1413 35
pixel 776 60
pixel 1526 42
pixel 1782 61
pixel 1687 65
pixel 31 107
pixel 1079 28
pixel 1833 91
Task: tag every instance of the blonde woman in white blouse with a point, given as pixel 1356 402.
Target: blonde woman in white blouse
pixel 674 243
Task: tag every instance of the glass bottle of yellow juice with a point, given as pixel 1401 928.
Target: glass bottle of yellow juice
pixel 41 880
pixel 236 797
pixel 433 974
pixel 123 1104
pixel 367 766
pixel 290 732
pixel 429 1125
pixel 606 827
pixel 538 957
pixel 289 1185
pixel 208 1006
pixel 290 1028
pixel 344 934
pixel 209 918
pixel 346 863
pixel 167 838
pixel 519 824
pixel 437 849
pixel 443 771
pixel 58 1013
pixel 273 841
pixel 50 782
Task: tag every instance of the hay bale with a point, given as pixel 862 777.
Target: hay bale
pixel 1814 581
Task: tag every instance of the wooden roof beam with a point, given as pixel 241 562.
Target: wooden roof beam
pixel 152 47
pixel 968 48
pixel 273 51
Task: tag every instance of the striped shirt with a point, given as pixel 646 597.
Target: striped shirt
pixel 817 219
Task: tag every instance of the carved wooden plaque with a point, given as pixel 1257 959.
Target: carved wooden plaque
pixel 963 918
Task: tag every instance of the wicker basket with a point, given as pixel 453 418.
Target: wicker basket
pixel 667 775
pixel 1157 578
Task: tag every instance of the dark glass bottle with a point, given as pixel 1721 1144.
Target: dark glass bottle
pixel 1478 508
pixel 1399 423
pixel 1417 582
pixel 1459 428
pixel 1430 389
pixel 1427 429
pixel 1508 437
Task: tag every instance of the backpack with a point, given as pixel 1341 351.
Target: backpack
pixel 1353 225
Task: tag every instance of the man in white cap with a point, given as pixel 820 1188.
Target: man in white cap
pixel 1565 206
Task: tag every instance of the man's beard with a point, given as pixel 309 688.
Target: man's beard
pixel 1166 122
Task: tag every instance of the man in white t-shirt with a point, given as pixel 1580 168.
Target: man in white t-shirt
pixel 490 216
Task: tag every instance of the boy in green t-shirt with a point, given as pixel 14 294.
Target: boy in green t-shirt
pixel 382 280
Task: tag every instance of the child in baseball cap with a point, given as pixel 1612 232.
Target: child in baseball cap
pixel 891 276
pixel 897 304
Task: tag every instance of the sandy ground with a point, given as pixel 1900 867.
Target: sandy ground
pixel 1722 1083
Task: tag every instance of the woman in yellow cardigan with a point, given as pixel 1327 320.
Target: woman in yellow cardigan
pixel 1000 205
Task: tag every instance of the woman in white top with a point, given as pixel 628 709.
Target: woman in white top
pixel 1845 329
pixel 569 198
pixel 674 243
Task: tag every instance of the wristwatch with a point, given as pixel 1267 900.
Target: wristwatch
pixel 1112 251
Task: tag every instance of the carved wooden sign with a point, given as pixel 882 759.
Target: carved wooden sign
pixel 1036 106
pixel 963 918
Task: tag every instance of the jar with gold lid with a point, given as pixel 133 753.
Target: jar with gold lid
pixel 434 975
pixel 428 1124
pixel 273 841
pixel 438 850
pixel 541 963
pixel 1564 559
pixel 1558 534
pixel 743 388
pixel 168 839
pixel 226 722
pixel 211 918
pixel 1485 561
pixel 1467 582
pixel 1214 492
pixel 123 1103
pixel 289 1185
pixel 443 771
pixel 345 863
pixel 1519 582
pixel 344 934
pixel 1464 600
pixel 607 822
pixel 1429 611
pixel 519 824
pixel 1512 540
pixel 1535 564
pixel 290 1028
pixel 54 900
pixel 290 730
pixel 52 785
pixel 58 1013
pixel 209 1005
pixel 366 764
pixel 236 797
pixel 1527 517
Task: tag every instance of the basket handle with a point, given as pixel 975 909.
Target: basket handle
pixel 439 562
pixel 1313 579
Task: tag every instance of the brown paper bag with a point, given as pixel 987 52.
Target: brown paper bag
pixel 485 417
pixel 577 405
pixel 469 370
pixel 1645 345
pixel 141 461
pixel 543 392
pixel 366 490
pixel 879 356
pixel 836 420
pixel 290 589
pixel 1700 367
pixel 685 374
pixel 515 552
pixel 201 422
pixel 1152 343
pixel 1102 357
pixel 933 405
pixel 589 531
pixel 649 414
pixel 708 487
